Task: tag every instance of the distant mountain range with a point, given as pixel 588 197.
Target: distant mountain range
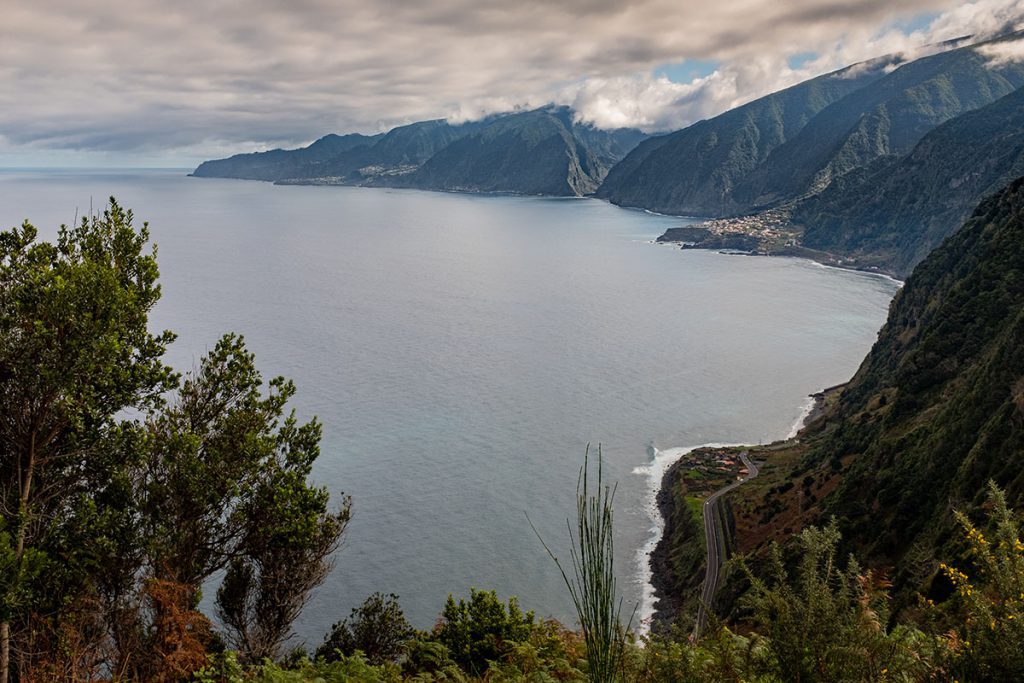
pixel 870 166
pixel 543 151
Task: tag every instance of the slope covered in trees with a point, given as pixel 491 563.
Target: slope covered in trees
pixel 892 213
pixel 935 411
pixel 937 407
pixel 887 117
pixel 696 170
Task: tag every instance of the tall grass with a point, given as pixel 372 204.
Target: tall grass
pixel 593 587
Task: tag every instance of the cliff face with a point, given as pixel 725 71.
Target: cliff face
pixel 537 152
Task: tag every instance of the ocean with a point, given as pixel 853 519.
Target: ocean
pixel 463 350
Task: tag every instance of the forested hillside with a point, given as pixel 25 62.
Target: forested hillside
pixel 894 212
pixel 695 171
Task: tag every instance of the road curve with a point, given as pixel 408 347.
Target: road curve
pixel 715 542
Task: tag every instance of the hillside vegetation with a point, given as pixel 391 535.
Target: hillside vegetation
pixel 542 151
pixel 892 213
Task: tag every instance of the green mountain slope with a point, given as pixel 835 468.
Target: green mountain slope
pixel 893 213
pixel 937 407
pixel 278 164
pixel 796 142
pixel 398 152
pixel 888 117
pixel 696 170
pixel 536 152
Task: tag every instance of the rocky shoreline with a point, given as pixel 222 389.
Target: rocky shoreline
pixel 663 577
pixel 670 602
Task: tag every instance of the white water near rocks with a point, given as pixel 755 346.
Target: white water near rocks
pixel 461 351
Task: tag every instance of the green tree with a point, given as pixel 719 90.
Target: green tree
pixel 481 629
pixel 225 487
pixel 74 351
pixel 116 504
pixel 377 628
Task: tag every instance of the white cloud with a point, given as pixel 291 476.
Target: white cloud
pixel 151 76
pixel 1004 52
pixel 658 104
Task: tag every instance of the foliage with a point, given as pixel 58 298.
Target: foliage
pixel 826 623
pixel 719 656
pixel 346 669
pixel 593 588
pixel 989 642
pixel 75 350
pixel 110 524
pixel 377 628
pixel 480 630
pixel 180 634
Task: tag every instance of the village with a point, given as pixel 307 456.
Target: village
pixel 771 227
pixel 705 470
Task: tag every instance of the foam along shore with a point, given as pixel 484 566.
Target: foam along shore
pixel 659 465
pixel 661 461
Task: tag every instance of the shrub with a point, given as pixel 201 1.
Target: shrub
pixel 481 630
pixel 378 628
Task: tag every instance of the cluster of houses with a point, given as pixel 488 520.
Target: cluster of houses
pixel 772 225
pixel 706 468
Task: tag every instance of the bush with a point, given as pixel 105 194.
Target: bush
pixel 378 628
pixel 988 644
pixel 827 623
pixel 481 630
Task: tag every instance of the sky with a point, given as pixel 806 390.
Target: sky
pixel 157 83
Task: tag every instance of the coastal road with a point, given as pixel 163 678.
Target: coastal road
pixel 715 541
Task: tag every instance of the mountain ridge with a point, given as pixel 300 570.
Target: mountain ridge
pixel 540 151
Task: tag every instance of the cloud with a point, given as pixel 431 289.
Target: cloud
pixel 1003 52
pixel 151 76
pixel 658 104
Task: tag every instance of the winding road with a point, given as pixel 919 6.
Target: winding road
pixel 716 546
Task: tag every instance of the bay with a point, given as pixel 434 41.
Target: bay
pixel 463 350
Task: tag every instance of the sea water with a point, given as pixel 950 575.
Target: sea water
pixel 462 351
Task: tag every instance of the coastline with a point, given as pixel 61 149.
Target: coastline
pixel 823 259
pixel 658 602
